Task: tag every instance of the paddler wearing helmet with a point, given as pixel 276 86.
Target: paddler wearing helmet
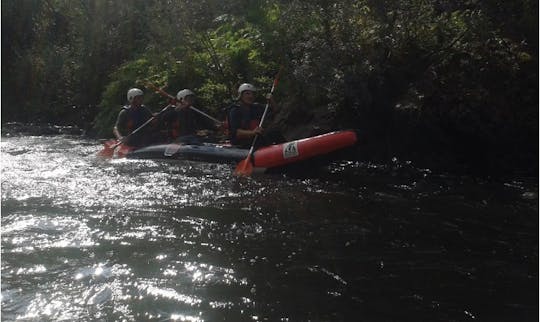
pixel 244 117
pixel 183 121
pixel 131 117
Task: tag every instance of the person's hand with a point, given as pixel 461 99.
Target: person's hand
pixel 258 130
pixel 269 96
pixel 203 133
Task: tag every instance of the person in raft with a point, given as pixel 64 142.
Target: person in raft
pixel 131 117
pixel 182 123
pixel 244 117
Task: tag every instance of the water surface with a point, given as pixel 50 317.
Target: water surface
pixel 86 239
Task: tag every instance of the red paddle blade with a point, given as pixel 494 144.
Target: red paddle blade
pixel 244 168
pixel 106 153
pixel 123 151
pixel 108 149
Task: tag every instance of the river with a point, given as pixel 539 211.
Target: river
pixel 86 239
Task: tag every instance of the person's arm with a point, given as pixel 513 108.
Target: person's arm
pixel 119 125
pixel 247 134
pixel 117 133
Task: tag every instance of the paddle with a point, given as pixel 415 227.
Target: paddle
pixel 173 99
pixel 108 150
pixel 245 167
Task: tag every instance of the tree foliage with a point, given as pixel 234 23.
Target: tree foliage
pixel 458 78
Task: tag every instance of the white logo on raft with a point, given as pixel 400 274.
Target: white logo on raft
pixel 290 150
pixel 171 150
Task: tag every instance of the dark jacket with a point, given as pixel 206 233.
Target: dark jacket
pixel 129 119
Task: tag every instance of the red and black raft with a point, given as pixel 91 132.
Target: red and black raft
pixel 269 157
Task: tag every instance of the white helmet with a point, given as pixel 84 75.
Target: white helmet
pixel 132 93
pixel 246 87
pixel 183 93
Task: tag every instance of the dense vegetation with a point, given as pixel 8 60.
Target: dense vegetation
pixel 436 81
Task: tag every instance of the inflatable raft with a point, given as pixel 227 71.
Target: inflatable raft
pixel 269 157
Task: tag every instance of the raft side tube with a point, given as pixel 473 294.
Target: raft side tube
pixel 303 149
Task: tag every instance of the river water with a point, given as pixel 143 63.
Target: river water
pixel 85 239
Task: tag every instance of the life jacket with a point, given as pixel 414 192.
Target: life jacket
pixel 247 118
pixel 175 128
pixel 136 117
pixel 249 121
pixel 253 124
pixel 182 122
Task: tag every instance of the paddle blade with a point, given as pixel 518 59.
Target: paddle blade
pixel 108 149
pixel 106 153
pixel 244 168
pixel 123 151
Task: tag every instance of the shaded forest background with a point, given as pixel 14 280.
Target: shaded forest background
pixel 449 84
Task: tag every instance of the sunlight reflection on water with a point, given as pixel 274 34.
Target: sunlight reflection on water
pixel 61 199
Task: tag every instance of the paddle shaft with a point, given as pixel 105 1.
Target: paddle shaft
pixel 203 113
pixel 263 116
